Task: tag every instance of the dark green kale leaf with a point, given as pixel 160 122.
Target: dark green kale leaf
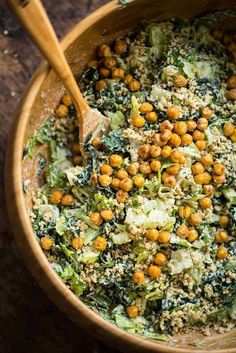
pixel 114 142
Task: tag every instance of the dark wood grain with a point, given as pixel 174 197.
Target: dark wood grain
pixel 29 322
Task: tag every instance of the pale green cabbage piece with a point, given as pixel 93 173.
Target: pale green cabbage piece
pixel 117 120
pixel 49 213
pixel 201 69
pixel 180 261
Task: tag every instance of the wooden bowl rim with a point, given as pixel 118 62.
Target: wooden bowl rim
pixel 19 218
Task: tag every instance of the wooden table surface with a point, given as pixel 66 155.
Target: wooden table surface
pixel 29 322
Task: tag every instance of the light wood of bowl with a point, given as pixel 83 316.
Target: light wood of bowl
pixel 40 97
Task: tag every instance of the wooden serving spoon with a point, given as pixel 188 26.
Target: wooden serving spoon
pixel 34 19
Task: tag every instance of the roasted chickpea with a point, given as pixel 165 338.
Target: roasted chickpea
pixel 205 202
pixel 180 81
pixel 75 147
pixel 231 82
pixel 157 139
pixel 138 121
pixel 202 124
pixel 120 47
pixel 166 124
pixel 228 129
pixel 217 34
pixel 219 179
pixel 155 151
pixel 173 112
pixel 178 157
pixel 46 243
pixel 192 235
pixel 201 145
pixel 101 84
pixel 100 244
pixel 144 151
pixel 166 135
pixel 122 196
pixel 151 117
pixel 154 271
pixel 145 168
pixel 104 72
pixel 118 72
pixel 233 136
pixel 107 215
pixel 62 111
pixel 219 168
pixel 56 197
pixel 186 140
pixel 231 94
pixel 197 168
pixel 106 169
pixel 152 234
pixel 93 64
pixel 191 125
pixel 207 160
pixel 207 113
pixel 134 85
pixel 175 140
pixel 203 178
pixel 164 237
pixel 195 219
pixel 67 200
pixel 104 51
pixel 155 165
pixel 132 311
pixel 208 190
pixel 166 151
pixel 115 183
pixel 133 168
pixel 182 231
pixel 93 178
pixel 185 211
pixel 160 259
pixel 180 127
pixel 198 135
pixel 77 243
pixel 109 62
pixel 77 160
pixel 168 180
pixel 104 180
pixel 96 218
pixel 67 100
pixel 128 78
pixel 173 169
pixel 138 277
pixel 115 160
pixel 224 221
pixel 221 237
pixel 146 107
pixel 151 176
pixel 139 181
pixel 222 253
pixel 96 143
pixel 122 174
pixel 126 184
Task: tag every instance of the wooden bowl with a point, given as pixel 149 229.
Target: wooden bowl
pixel 40 97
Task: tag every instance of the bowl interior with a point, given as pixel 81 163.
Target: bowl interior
pixel 103 26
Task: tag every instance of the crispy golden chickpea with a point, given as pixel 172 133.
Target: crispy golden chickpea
pixel 104 72
pixel 77 160
pixel 62 111
pixel 173 169
pixel 67 200
pixel 166 151
pixel 205 202
pixel 93 64
pixel 180 81
pixel 96 218
pixel 132 311
pixel 128 78
pixel 221 237
pixel 96 143
pixel 94 178
pixel 115 160
pixel 133 168
pixel 198 135
pixel 231 82
pixel 67 100
pixel 138 277
pixel 233 136
pixel 118 72
pixel 168 180
pixel 166 135
pixel 157 139
pixel 182 231
pixel 173 112
pixel 104 180
pixel 154 271
pixel 203 178
pixel 152 234
pixel 180 128
pixel 109 62
pixel 126 184
pixel 195 219
pixel 144 151
pixel 115 183
pixel 101 84
pixel 56 197
pixel 146 107
pixel 106 169
pixel 134 86
pixel 202 124
pixel 219 179
pixel 104 51
pixel 178 157
pixel 151 117
pixel 185 211
pixel 186 140
pixel 100 244
pixel 207 113
pixel 224 221
pixel 217 34
pixel 160 259
pixel 197 168
pixel 201 145
pixel 192 235
pixel 175 140
pixel 231 94
pixel 228 129
pixel 120 47
pixel 122 174
pixel 75 147
pixel 138 121
pixel 207 160
pixel 122 196
pixel 107 215
pixel 77 243
pixel 139 181
pixel 191 125
pixel 219 168
pixel 208 190
pixel 46 243
pixel 151 176
pixel 166 124
pixel 155 165
pixel 145 168
pixel 164 237
pixel 222 253
pixel 155 151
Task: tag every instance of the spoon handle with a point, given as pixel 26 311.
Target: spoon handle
pixel 34 19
